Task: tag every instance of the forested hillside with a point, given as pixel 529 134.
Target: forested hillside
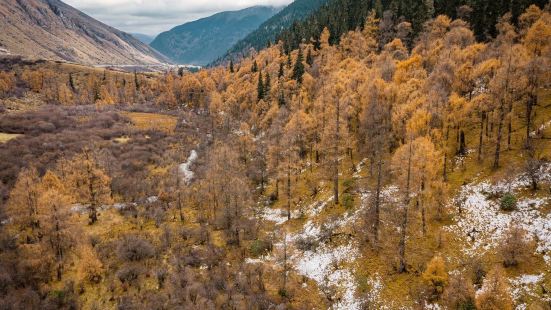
pixel 403 169
pixel 341 16
pixel 269 30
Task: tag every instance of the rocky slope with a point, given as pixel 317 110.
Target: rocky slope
pixel 202 41
pixel 51 29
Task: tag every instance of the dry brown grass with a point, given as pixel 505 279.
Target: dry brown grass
pixel 154 121
pixel 5 137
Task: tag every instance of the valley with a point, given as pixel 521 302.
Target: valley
pixel 392 165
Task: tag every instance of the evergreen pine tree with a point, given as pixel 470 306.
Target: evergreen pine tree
pixel 232 70
pixel 281 71
pixel 309 58
pixel 255 67
pixel 289 60
pixel 72 82
pixel 281 99
pixel 267 85
pixel 136 82
pixel 260 87
pixel 298 70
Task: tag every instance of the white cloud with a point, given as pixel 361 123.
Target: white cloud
pixel 154 16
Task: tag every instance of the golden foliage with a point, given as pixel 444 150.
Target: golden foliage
pixel 495 292
pixel 436 275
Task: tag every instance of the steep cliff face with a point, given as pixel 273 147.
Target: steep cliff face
pixel 51 29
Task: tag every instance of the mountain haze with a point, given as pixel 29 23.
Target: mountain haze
pixel 145 38
pixel 51 29
pixel 202 41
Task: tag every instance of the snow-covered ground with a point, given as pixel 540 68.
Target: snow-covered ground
pixel 526 285
pixel 483 224
pixel 330 263
pixel 185 168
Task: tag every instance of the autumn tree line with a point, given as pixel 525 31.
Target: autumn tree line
pixel 407 108
pixel 66 85
pixel 411 107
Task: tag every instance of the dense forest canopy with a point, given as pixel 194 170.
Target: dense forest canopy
pixel 390 162
pixel 341 16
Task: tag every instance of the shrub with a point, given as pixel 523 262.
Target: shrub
pixel 308 243
pixel 129 273
pixel 283 293
pixel 348 201
pixel 460 294
pixel 348 185
pixel 436 276
pixel 508 202
pixel 260 247
pixel 133 248
pixel 90 267
pixel 495 292
pixel 514 247
pixel 478 272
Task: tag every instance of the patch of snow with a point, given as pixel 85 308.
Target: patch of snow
pixel 432 306
pixel 185 168
pixel 275 215
pixel 483 223
pixel 373 297
pixel 540 129
pixel 152 199
pixel 325 267
pixel 525 285
pixel 79 208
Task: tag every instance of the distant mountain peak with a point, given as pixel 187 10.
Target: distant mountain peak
pixel 204 40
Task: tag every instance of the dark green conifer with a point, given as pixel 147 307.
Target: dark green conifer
pixel 298 70
pixel 260 87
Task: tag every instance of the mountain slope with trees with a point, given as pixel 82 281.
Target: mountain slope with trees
pixel 202 41
pixel 341 16
pixel 268 31
pixel 352 176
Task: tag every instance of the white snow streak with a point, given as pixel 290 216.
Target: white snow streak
pixel 185 168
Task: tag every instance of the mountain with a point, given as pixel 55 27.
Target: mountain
pixel 268 31
pixel 144 38
pixel 202 41
pixel 51 29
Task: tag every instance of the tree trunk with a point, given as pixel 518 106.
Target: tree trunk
pixel 509 130
pixel 503 102
pixel 529 107
pixel 480 138
pixel 289 189
pixel 336 155
pixel 378 201
pixel 423 217
pixel 403 231
pixel 445 171
pixel 499 135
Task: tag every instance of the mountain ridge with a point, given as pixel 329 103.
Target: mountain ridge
pixel 201 41
pixel 268 31
pixel 52 29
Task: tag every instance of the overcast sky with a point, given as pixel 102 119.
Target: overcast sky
pixel 154 16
